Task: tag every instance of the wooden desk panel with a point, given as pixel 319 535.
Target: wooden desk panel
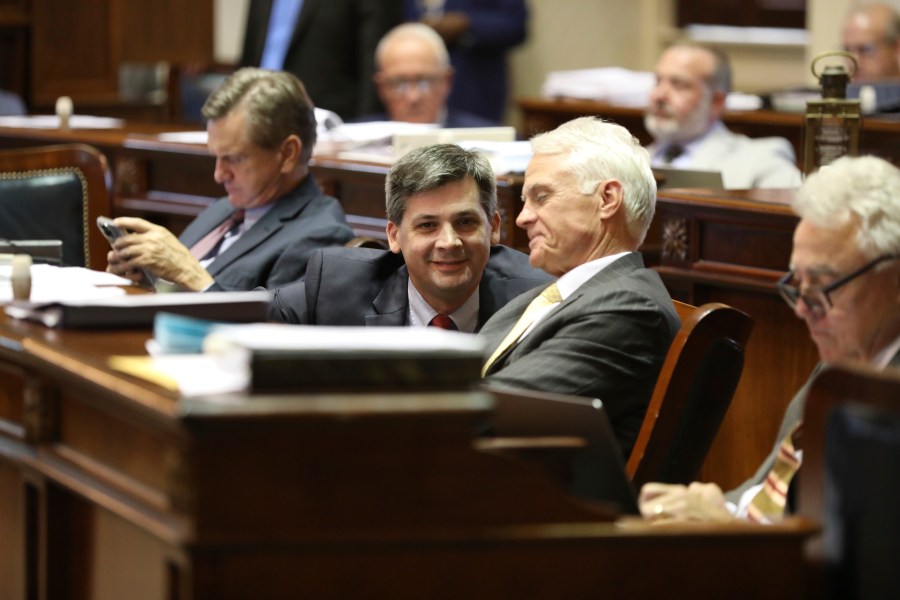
pixel 879 135
pixel 732 247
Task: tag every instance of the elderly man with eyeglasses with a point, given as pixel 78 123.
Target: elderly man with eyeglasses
pixel 845 284
pixel 414 79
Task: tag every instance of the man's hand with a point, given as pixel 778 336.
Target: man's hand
pixel 696 502
pixel 154 248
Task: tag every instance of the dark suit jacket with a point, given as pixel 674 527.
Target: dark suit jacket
pixel 455 119
pixel 361 286
pixel 792 415
pixel 276 249
pixel 480 85
pixel 608 340
pixel 332 50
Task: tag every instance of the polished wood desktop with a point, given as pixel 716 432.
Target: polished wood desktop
pixel 879 135
pixel 112 487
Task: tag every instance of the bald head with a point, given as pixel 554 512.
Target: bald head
pixel 872 35
pixel 414 74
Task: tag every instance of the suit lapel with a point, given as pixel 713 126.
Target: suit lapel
pixel 283 210
pixel 391 305
pixel 625 264
pixel 208 221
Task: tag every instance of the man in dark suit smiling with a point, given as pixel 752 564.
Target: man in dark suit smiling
pixel 443 267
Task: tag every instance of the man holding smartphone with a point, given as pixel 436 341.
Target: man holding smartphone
pixel 262 131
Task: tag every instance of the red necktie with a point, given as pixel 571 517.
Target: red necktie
pixel 444 322
pixel 211 240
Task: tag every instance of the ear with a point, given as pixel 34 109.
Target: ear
pixel 392 235
pixel 717 104
pixel 611 196
pixel 290 151
pixel 495 228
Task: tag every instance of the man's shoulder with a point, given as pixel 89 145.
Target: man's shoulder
pixel 763 146
pixel 379 263
pixel 505 262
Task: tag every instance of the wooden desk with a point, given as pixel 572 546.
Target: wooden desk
pixel 170 183
pixel 879 135
pixel 114 488
pixel 731 247
pixel 735 244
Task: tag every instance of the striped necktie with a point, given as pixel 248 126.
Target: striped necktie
pixel 547 298
pixel 768 504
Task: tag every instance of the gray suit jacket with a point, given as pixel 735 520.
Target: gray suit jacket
pixel 276 249
pixel 792 415
pixel 608 340
pixel 360 286
pixel 746 162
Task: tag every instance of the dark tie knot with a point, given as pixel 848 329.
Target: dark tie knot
pixel 672 152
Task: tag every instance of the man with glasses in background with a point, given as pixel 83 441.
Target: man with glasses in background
pixel 872 35
pixel 414 79
pixel 845 284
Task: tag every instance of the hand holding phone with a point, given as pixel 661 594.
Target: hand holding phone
pixel 112 232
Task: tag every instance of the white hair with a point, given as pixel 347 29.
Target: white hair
pixel 855 189
pixel 597 150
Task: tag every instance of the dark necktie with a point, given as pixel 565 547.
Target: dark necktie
pixel 209 244
pixel 672 152
pixel 444 322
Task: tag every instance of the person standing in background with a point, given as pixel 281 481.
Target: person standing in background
pixel 327 44
pixel 478 34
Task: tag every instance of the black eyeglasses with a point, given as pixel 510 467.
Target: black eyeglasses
pixel 817 300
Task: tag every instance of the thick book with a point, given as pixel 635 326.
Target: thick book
pixel 138 310
pixel 297 358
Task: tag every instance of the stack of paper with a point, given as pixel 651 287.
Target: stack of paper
pixel 609 84
pixel 291 358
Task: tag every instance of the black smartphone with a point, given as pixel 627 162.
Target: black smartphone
pixel 112 232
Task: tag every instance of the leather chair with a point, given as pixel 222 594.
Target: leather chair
pixel 57 192
pixel 850 484
pixel 692 394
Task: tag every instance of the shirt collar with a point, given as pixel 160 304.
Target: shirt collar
pixel 420 312
pixel 575 278
pixel 883 358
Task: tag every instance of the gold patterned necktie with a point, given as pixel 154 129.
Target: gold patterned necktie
pixel 547 298
pixel 769 502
